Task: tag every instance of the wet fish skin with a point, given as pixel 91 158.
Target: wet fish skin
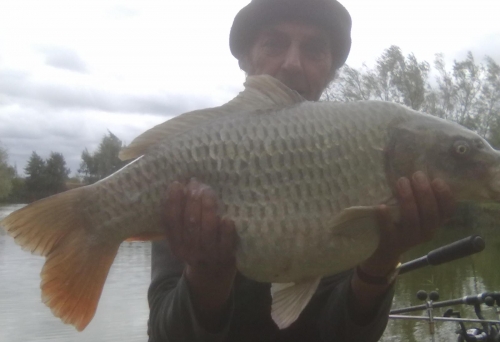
pixel 278 170
pixel 301 181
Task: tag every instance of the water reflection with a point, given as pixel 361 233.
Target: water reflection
pixel 123 311
pixel 470 275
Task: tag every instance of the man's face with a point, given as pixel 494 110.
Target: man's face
pixel 297 54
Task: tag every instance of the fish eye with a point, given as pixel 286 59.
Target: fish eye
pixel 461 147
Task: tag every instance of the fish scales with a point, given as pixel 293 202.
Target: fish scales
pixel 262 186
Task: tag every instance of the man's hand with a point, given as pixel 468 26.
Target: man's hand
pixel 207 244
pixel 425 206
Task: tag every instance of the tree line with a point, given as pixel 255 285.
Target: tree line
pixel 468 93
pixel 46 177
pixel 7 173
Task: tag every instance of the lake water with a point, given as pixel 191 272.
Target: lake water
pixel 123 310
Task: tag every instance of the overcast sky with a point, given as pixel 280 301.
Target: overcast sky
pixel 71 70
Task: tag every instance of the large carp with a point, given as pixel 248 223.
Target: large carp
pixel 301 180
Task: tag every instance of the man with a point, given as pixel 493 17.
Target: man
pixel 196 293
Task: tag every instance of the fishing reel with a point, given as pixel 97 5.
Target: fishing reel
pixel 472 335
pixel 487 330
pixel 490 332
pixel 477 335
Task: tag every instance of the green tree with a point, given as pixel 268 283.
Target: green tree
pixel 56 173
pixel 489 105
pixel 102 162
pixel 468 93
pixel 7 173
pixel 45 177
pixel 18 193
pixel 457 95
pixel 35 177
pixel 395 78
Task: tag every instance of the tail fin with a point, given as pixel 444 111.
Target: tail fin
pixel 76 264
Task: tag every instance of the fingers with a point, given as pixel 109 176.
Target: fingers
pixel 174 211
pixel 384 219
pixel 409 227
pixel 209 221
pixel 191 232
pixel 183 218
pixel 424 207
pixel 428 209
pixel 388 232
pixel 194 230
pixel 228 240
pixel 218 237
pixel 444 198
pixel 392 244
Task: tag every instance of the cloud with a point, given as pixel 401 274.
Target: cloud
pixel 67 131
pixel 64 58
pixel 73 70
pixel 67 112
pixel 122 12
pixel 82 93
pixel 54 110
pixel 487 45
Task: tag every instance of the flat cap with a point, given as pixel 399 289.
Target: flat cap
pixel 327 14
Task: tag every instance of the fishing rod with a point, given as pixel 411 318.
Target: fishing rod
pixel 453 251
pixel 486 297
pixel 490 328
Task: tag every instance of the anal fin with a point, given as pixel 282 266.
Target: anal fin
pixel 290 299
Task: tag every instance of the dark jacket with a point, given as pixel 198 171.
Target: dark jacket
pixel 325 318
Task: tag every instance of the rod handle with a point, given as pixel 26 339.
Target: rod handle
pixel 456 250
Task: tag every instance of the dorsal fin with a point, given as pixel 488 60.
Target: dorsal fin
pixel 261 92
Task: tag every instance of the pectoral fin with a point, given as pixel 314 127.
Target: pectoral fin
pixel 356 231
pixel 354 216
pixel 290 299
pixel 354 219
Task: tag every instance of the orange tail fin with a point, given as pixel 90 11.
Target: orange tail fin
pixel 77 263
